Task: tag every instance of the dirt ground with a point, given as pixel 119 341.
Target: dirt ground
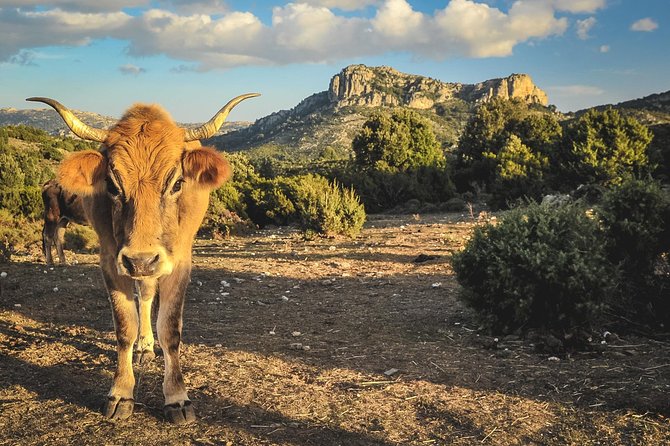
pixel 322 342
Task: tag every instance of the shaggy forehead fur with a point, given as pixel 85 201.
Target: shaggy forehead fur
pixel 144 146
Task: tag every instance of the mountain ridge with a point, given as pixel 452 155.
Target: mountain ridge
pixel 330 118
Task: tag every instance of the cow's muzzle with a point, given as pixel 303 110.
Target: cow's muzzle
pixel 143 264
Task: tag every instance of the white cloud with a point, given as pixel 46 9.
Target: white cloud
pixel 24 30
pixel 131 69
pixel 397 20
pixel 478 30
pixel 647 24
pixel 584 26
pixel 347 5
pixel 195 6
pixel 75 5
pixel 24 57
pixel 579 6
pixel 208 36
pixel 604 48
pixel 576 90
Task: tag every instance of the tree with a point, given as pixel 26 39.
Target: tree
pixel 506 144
pixel 397 142
pixel 605 148
pixel 519 172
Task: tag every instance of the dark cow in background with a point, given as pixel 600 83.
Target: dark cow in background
pixel 60 208
pixel 145 192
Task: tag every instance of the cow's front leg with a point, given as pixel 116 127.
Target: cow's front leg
pixel 172 289
pixel 144 352
pixel 120 402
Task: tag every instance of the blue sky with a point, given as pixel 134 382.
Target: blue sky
pixel 193 56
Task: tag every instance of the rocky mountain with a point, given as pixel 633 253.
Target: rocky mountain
pixel 48 120
pixel 384 86
pixel 331 118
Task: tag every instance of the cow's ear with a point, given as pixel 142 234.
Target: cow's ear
pixel 206 167
pixel 83 172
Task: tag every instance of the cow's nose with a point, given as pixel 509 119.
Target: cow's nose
pixel 144 264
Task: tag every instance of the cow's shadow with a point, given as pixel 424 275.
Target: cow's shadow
pixel 79 385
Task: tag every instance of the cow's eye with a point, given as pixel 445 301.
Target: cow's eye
pixel 112 189
pixel 177 185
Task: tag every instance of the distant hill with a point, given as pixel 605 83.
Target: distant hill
pixel 651 110
pixel 331 118
pixel 48 120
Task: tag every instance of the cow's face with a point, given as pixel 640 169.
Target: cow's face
pixel 142 176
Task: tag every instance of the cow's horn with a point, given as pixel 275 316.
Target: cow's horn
pixel 208 129
pixel 78 128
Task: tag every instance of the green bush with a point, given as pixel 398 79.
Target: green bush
pixel 326 208
pixel 309 200
pixel 541 267
pixel 636 217
pixel 21 176
pixel 49 152
pixel 16 233
pixel 380 191
pixel 227 197
pixel 271 202
pixel 81 238
pixel 26 201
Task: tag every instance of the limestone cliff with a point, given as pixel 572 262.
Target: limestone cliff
pixel 359 85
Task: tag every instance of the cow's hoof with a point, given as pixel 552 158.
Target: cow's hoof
pixel 179 413
pixel 143 357
pixel 118 408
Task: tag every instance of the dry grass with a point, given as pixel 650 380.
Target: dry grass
pixel 362 308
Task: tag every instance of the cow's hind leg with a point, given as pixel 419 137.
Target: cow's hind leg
pixel 120 402
pixel 144 352
pixel 178 408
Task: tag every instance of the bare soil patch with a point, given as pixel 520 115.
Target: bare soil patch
pixel 322 342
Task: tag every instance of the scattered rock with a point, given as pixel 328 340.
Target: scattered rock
pixel 421 258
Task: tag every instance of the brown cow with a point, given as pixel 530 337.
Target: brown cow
pixel 60 208
pixel 145 193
